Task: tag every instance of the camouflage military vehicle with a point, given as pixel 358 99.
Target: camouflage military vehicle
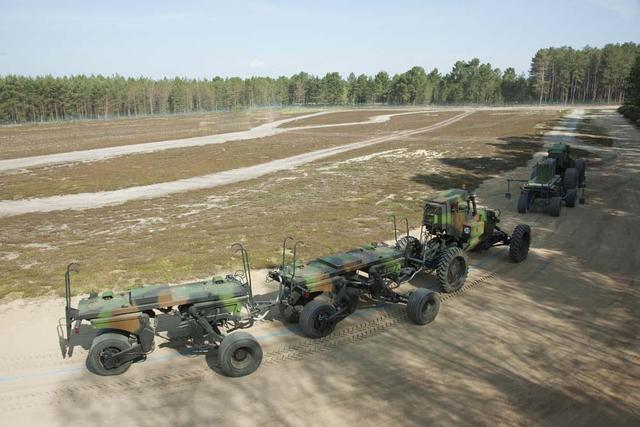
pixel 370 269
pixel 556 178
pixel 125 321
pixel 452 225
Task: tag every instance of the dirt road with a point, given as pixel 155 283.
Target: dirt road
pixel 551 341
pixel 109 198
pixel 261 131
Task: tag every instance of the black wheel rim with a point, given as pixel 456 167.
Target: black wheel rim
pixel 107 353
pixel 456 270
pixel 242 357
pixel 428 308
pixel 322 322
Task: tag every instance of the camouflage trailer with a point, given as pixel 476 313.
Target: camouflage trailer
pixel 370 269
pixel 125 321
pixel 556 178
pixel 452 225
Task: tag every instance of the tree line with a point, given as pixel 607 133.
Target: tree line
pixel 631 107
pixel 557 75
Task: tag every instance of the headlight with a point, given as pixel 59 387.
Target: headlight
pixel 466 229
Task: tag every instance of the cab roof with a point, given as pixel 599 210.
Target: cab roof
pixel 451 195
pixel 558 148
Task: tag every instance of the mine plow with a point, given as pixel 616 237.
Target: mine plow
pixel 217 310
pixel 452 225
pixel 555 179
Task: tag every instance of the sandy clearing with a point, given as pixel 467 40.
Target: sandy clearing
pixel 109 198
pixel 551 341
pixel 261 131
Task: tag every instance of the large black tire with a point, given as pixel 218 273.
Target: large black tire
pixel 107 344
pixel 423 306
pixel 523 203
pixel 555 206
pixel 581 166
pixel 288 313
pixel 314 320
pixel 520 242
pixel 570 198
pixel 239 354
pixel 409 246
pixel 452 269
pixel 570 181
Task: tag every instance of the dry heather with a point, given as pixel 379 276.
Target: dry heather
pixel 49 138
pixel 331 204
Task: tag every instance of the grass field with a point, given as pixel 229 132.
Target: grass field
pixel 331 204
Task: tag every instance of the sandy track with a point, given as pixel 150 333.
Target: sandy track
pixel 551 341
pixel 261 131
pixel 109 198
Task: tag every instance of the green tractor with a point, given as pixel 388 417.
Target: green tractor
pixel 452 225
pixel 556 178
pixel 214 311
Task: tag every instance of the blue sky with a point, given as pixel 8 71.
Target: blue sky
pixel 244 38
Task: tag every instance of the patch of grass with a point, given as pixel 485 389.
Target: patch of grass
pixel 333 204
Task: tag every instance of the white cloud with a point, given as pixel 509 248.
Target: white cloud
pixel 257 63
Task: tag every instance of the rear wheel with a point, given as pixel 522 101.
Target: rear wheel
pixel 103 347
pixel 555 205
pixel 523 203
pixel 570 198
pixel 520 242
pixel 423 306
pixel 570 181
pixel 315 319
pixel 239 354
pixel 581 167
pixel 452 269
pixel 409 246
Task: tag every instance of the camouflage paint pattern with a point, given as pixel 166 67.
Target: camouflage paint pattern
pixel 452 211
pixel 321 274
pixel 110 308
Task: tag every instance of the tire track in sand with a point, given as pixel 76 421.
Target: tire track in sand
pixel 260 131
pixel 82 201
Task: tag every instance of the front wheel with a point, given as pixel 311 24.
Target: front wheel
pixel 103 347
pixel 315 319
pixel 520 242
pixel 423 306
pixel 239 354
pixel 523 203
pixel 570 198
pixel 452 269
pixel 555 205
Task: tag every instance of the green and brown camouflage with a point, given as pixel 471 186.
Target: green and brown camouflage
pixel 96 308
pixel 125 318
pixel 455 213
pixel 324 273
pixel 452 224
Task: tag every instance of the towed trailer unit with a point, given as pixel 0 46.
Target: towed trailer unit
pixel 125 321
pixel 452 225
pixel 373 270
